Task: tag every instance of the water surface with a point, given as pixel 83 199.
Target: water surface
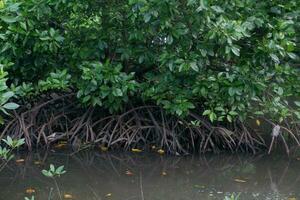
pixel 149 176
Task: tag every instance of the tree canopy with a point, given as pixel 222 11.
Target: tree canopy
pixel 227 59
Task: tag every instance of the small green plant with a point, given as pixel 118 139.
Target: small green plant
pixel 31 198
pixel 232 197
pixel 13 143
pixel 54 172
pixel 6 153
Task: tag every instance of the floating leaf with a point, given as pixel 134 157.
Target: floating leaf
pixel 129 173
pixel 37 162
pixel 68 196
pixel 20 160
pixel 103 148
pixel 136 150
pixel 160 151
pixel 59 146
pixel 30 190
pixel 240 180
pixel 164 173
pixel 108 195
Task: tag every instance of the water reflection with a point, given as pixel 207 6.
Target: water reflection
pixel 121 176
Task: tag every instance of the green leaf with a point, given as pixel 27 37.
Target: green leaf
pixel 274 58
pixel 194 66
pixel 229 118
pixel 9 19
pixel 236 51
pixel 212 116
pixel 59 169
pixel 297 103
pixel 11 106
pixel 7 95
pixel 52 168
pixel 147 17
pixel 206 112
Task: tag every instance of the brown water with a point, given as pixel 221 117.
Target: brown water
pixel 139 176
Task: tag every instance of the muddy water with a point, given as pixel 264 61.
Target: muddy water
pixel 139 176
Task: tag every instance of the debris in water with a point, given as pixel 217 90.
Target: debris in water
pixel 68 196
pixel 20 161
pixel 103 148
pixel 160 151
pixel 129 173
pixel 240 180
pixel 30 190
pixel 37 162
pixel 108 195
pixel 60 145
pixel 136 150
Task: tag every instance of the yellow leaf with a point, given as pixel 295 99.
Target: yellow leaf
pixel 164 173
pixel 20 161
pixel 240 180
pixel 68 196
pixel 136 150
pixel 63 142
pixel 103 148
pixel 258 122
pixel 160 151
pixel 30 190
pixel 59 146
pixel 1 4
pixel 37 162
pixel 292 198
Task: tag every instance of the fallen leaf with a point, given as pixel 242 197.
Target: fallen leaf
pixel 164 173
pixel 103 148
pixel 59 146
pixel 37 162
pixel 199 186
pixel 240 180
pixel 30 190
pixel 68 196
pixel 20 160
pixel 298 158
pixel 292 198
pixel 108 195
pixel 136 150
pixel 129 173
pixel 153 147
pixel 160 151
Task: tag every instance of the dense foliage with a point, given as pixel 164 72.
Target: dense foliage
pixel 220 58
